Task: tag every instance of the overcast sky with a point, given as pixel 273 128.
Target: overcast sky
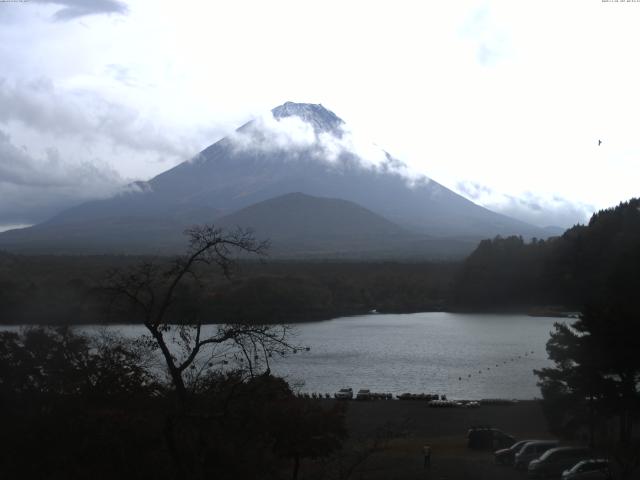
pixel 501 101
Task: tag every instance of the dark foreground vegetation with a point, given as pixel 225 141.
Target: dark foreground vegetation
pixel 77 408
pixel 175 403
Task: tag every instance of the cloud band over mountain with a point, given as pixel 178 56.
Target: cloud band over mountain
pixel 330 141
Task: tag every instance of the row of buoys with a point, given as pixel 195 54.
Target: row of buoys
pixel 497 365
pixel 282 353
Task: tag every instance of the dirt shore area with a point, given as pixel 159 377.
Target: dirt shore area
pixel 402 428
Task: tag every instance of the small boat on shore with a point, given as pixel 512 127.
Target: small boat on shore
pixel 363 394
pixel 344 394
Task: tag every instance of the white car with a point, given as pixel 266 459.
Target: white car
pixel 594 469
pixel 344 394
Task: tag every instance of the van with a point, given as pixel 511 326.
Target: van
pixel 488 438
pixel 531 451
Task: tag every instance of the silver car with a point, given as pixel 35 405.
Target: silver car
pixel 594 469
pixel 505 456
pixel 556 460
pixel 531 451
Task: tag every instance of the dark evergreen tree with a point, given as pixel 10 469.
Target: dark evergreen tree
pixel 597 368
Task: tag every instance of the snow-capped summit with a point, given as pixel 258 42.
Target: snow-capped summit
pixel 322 119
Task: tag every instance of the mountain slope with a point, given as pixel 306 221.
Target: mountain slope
pixel 297 215
pixel 297 148
pixel 299 223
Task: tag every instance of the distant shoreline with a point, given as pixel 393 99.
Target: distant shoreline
pixel 541 312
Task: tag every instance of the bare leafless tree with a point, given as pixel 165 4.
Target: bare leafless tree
pixel 150 290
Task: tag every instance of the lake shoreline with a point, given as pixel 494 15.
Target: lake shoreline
pixel 543 312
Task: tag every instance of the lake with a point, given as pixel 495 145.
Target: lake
pixel 464 356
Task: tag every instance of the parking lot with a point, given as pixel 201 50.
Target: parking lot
pixel 404 427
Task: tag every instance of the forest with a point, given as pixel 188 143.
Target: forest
pixel 502 274
pixel 588 262
pixel 62 290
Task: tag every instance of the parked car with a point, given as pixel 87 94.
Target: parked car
pixel 531 451
pixel 593 469
pixel 363 394
pixel 488 438
pixel 344 394
pixel 556 460
pixel 505 456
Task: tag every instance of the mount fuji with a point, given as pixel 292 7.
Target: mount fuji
pixel 297 175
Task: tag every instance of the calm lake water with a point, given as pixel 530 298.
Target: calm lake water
pixel 465 356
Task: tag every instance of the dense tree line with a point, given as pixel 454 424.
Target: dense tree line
pixel 504 273
pixel 70 289
pixel 594 385
pixel 567 271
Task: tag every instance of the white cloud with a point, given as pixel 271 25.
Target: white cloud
pixel 512 95
pixel 4 228
pixel 487 36
pixel 84 124
pixel 338 148
pixel 72 9
pixel 540 210
pixel 39 105
pixel 33 188
pixel 268 133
